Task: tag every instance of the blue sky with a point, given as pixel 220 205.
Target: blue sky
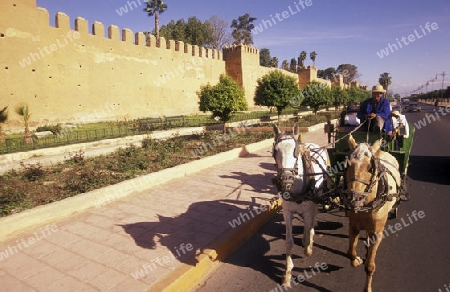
pixel 340 31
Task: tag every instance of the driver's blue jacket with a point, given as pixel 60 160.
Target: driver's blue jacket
pixel 382 109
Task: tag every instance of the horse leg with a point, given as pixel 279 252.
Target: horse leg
pixel 309 216
pixel 353 236
pixel 289 244
pixel 370 260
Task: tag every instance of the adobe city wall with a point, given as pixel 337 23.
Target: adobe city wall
pixel 76 76
pixel 79 76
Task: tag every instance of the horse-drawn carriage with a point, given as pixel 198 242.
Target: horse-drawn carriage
pixel 363 173
pixel 399 147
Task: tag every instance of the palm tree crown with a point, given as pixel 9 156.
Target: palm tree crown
pixel 154 8
pixel 385 80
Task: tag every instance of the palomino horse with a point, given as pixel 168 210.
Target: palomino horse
pixel 300 178
pixel 372 182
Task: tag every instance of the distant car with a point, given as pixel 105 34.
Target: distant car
pixel 414 107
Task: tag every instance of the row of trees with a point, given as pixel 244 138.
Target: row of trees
pixel 215 33
pixel 436 94
pixel 266 60
pixel 274 90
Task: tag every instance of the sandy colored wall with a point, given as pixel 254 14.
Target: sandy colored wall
pixel 79 76
pixel 242 63
pixel 76 76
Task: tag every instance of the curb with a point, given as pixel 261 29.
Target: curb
pixel 16 224
pixel 187 277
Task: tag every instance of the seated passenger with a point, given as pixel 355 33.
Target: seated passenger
pixel 376 111
pixel 348 116
pixel 400 124
pixel 351 118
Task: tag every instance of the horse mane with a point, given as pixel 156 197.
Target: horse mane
pixel 363 149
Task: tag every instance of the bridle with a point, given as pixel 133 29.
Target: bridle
pixel 286 176
pixel 356 200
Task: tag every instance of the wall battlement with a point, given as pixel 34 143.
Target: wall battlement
pixel 62 22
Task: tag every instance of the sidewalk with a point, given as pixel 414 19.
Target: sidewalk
pixel 164 237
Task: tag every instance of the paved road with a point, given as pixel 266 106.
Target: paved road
pixel 414 258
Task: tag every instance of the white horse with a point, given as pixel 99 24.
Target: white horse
pixel 300 177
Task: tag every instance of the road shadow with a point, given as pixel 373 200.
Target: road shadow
pixel 433 169
pixel 258 255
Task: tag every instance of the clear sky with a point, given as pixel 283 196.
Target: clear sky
pixel 377 36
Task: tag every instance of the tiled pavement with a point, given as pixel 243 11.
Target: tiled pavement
pixel 135 242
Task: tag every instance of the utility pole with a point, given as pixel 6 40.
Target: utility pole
pixel 443 75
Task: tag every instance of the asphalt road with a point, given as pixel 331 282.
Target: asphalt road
pixel 413 257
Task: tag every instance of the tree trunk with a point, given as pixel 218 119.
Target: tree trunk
pixel 2 135
pixel 157 28
pixel 28 139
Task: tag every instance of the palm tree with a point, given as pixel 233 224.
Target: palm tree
pixel 154 8
pixel 385 80
pixel 22 110
pixel 301 60
pixel 3 118
pixel 313 56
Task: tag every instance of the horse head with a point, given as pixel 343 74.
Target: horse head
pixel 361 174
pixel 285 152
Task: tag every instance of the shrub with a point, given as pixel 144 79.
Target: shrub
pixel 32 172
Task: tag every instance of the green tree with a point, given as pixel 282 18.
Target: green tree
pixel 315 95
pixel 276 89
pixel 385 80
pixel 242 29
pixel 3 118
pixel 23 110
pixel 222 99
pixel 155 8
pixel 339 97
pixel 348 71
pixel 196 32
pixel 357 95
pixel 264 58
pixel 328 73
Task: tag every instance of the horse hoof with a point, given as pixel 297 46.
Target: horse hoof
pixel 356 262
pixel 286 282
pixel 308 251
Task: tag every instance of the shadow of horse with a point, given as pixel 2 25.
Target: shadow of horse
pixel 190 233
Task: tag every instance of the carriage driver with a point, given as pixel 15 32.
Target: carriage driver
pixel 376 111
